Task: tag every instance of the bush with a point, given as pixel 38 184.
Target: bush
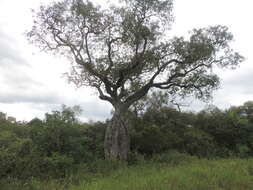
pixel 105 166
pixel 135 158
pixel 58 165
pixel 199 143
pixel 7 162
pixel 243 151
pixel 173 157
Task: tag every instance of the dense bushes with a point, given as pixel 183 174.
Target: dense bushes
pixel 59 144
pixel 210 133
pixel 48 148
pixel 173 157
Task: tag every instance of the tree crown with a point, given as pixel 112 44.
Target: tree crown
pixel 123 51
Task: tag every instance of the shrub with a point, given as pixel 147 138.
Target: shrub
pixel 58 165
pixel 173 157
pixel 7 162
pixel 135 158
pixel 105 166
pixel 199 143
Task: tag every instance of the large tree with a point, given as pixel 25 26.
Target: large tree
pixel 124 51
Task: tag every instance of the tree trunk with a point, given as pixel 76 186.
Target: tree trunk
pixel 117 141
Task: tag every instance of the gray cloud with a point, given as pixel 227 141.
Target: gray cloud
pixel 19 84
pixel 15 97
pixel 235 89
pixel 16 83
pixel 241 82
pixel 96 110
pixel 12 65
pixel 19 87
pixel 9 53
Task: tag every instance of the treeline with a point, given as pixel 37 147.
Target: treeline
pixel 59 144
pixel 211 133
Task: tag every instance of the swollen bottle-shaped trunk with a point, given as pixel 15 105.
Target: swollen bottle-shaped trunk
pixel 117 141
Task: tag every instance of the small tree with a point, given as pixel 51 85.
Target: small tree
pixel 124 52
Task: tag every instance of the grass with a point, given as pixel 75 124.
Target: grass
pixel 226 174
pixel 229 174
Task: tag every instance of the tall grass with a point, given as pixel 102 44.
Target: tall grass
pixel 191 174
pixel 229 174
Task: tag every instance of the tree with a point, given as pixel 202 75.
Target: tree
pixel 66 115
pixel 124 52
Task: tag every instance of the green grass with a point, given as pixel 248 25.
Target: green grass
pixel 229 174
pixel 226 174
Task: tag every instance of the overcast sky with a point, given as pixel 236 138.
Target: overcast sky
pixel 32 82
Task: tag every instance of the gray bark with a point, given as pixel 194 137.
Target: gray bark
pixel 117 140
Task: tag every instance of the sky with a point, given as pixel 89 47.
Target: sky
pixel 33 83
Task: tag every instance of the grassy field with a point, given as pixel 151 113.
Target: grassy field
pixel 227 174
pixel 199 175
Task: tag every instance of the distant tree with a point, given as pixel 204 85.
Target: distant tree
pixel 66 115
pixel 124 52
pixel 35 122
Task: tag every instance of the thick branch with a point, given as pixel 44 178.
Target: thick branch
pixel 162 68
pixel 109 52
pixel 137 95
pixel 102 96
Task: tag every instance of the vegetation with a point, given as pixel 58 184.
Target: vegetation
pixel 190 174
pixel 124 52
pixel 173 147
pixel 203 174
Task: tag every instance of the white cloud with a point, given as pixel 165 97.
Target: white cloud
pixel 31 82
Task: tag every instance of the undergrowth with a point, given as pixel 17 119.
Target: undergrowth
pixel 157 174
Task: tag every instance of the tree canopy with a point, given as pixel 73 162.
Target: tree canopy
pixel 123 51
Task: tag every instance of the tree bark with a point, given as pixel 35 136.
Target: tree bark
pixel 117 140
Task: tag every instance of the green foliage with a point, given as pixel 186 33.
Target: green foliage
pixel 7 162
pixel 229 129
pixel 157 131
pixel 59 145
pixel 103 167
pixel 49 148
pixel 232 174
pixel 173 157
pixel 210 133
pixel 135 158
pixel 57 165
pixel 199 143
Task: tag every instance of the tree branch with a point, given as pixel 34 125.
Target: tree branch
pixel 102 96
pixel 176 75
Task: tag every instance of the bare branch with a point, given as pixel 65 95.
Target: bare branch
pixel 102 96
